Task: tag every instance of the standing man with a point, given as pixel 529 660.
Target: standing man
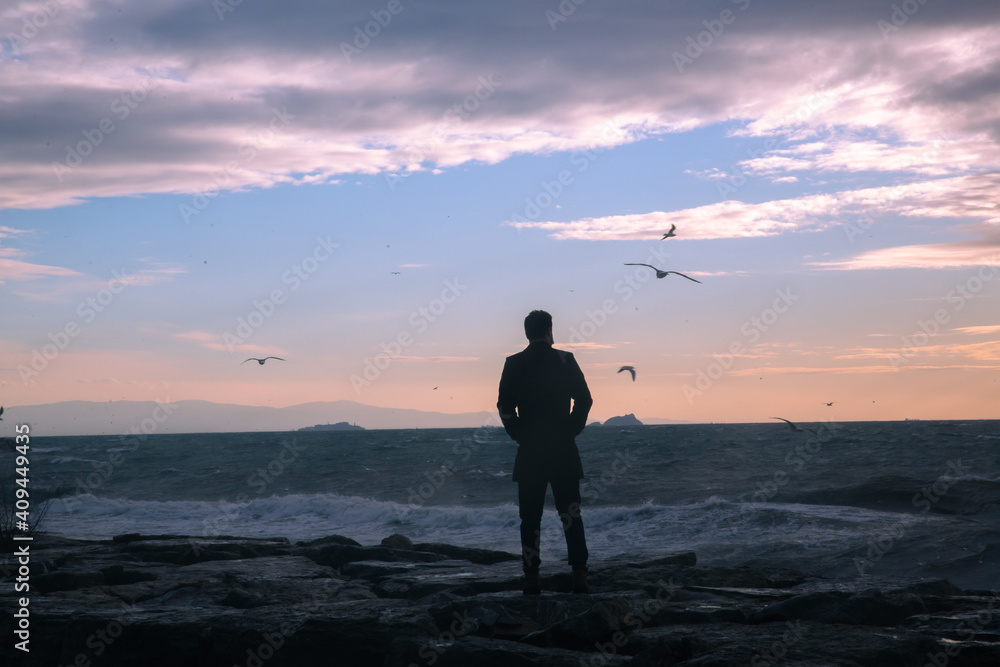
pixel 536 388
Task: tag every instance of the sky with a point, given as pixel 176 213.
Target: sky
pixel 379 192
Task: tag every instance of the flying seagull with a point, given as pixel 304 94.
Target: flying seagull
pixel 261 361
pixel 664 274
pixel 670 233
pixel 794 427
pixel 395 273
pixel 630 369
pixel 830 403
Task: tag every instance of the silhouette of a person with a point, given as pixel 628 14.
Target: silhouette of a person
pixel 536 388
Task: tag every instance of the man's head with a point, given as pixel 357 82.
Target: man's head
pixel 538 325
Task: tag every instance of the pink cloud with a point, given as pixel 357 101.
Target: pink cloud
pixel 14 269
pixel 984 253
pixel 985 329
pixel 433 359
pixel 387 112
pixel 972 196
pixel 214 341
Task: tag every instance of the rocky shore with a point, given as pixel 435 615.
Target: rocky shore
pixel 159 600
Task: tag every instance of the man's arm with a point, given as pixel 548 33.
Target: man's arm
pixel 507 401
pixel 582 400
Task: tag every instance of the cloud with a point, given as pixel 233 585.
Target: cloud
pixel 729 219
pixel 588 346
pixel 153 276
pixel 983 253
pixel 857 370
pixel 821 370
pixel 966 197
pixel 214 341
pixel 710 174
pixel 199 336
pixel 984 329
pixel 11 231
pixel 64 284
pixel 15 269
pixel 905 350
pixel 169 97
pixel 433 359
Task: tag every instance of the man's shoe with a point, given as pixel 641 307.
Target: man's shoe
pixel 580 582
pixel 532 583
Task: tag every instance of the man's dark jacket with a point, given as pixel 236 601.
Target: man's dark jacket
pixel 538 383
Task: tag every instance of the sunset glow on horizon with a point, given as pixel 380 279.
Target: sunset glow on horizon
pixel 379 192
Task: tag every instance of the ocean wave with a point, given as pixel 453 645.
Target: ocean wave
pixel 970 478
pixel 717 530
pixel 963 495
pixel 69 459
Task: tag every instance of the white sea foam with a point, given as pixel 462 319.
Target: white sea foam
pixel 711 527
pixel 69 459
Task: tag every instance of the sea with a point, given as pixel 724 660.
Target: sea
pixel 854 499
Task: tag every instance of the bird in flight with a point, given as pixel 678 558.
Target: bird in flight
pixel 794 427
pixel 395 273
pixel 664 274
pixel 630 369
pixel 670 233
pixel 1 413
pixel 261 361
pixel 830 403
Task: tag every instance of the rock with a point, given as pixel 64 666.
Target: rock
pixel 398 541
pixel 625 420
pixel 185 551
pixel 66 581
pixel 799 644
pixel 162 600
pixel 330 539
pixel 459 577
pixel 480 556
pixel 869 608
pixel 596 624
pixel 241 599
pixel 483 652
pixel 336 555
pixel 117 575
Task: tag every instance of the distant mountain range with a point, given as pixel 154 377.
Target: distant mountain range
pixel 124 417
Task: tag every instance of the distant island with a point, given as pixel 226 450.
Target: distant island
pixel 626 420
pixel 339 426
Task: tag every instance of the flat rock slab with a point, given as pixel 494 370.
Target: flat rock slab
pixel 482 652
pixel 453 576
pixel 478 556
pixel 197 550
pixel 800 644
